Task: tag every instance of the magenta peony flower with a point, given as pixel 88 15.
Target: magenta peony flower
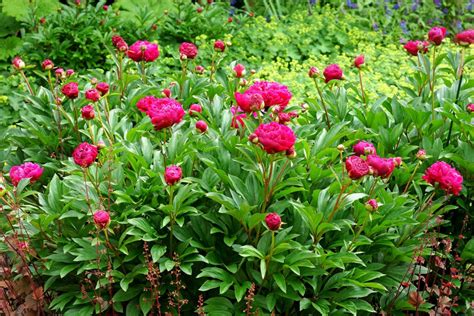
pixel 119 43
pixel 201 126
pixel 275 137
pixel 381 167
pixel 145 103
pixel 102 87
pixel 356 167
pixel 249 102
pixel 448 178
pixel 371 205
pixel 332 72
pixel 239 70
pixel 194 108
pixel 47 64
pixel 359 61
pixel 70 90
pixel 101 219
pixel 273 221
pixel 188 50
pixel 313 72
pixel 165 112
pixel 436 35
pixel 143 51
pixel 285 117
pixel 28 170
pixel 85 154
pixel 363 148
pixel 18 63
pixel 465 38
pixel 87 112
pixel 219 46
pixel 173 174
pixel 273 93
pixel 93 95
pixel 414 47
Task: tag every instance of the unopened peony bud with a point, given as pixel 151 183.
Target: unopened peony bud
pixel 47 64
pixel 253 138
pixel 18 63
pixel 219 46
pixel 371 205
pixel 87 112
pixel 69 72
pixel 194 108
pixel 201 126
pixel 199 69
pixel 101 219
pixel 166 92
pixel 199 10
pixel 341 147
pixel 173 174
pixel 243 82
pixel 304 107
pixel 3 190
pixel 313 72
pixel 273 221
pixel 291 153
pixel 101 144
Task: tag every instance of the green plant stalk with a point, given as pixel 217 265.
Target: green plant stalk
pixel 433 80
pixel 460 73
pixel 270 254
pixel 322 103
pixel 364 99
pixel 184 68
pixel 213 66
pixel 411 177
pixel 27 82
pixel 172 219
pixel 76 119
pixel 143 71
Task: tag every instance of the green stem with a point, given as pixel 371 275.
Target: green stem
pixel 460 73
pixel 27 82
pixel 411 178
pixel 328 123
pixel 433 85
pixel 364 99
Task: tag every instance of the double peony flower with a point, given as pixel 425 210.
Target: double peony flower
pixel 442 174
pixel 263 94
pixel 274 138
pixel 143 51
pixel 28 170
pixel 163 112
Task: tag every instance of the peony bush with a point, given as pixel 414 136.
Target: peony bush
pixel 217 193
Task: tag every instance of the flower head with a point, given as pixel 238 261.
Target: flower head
pixel 47 64
pixel 275 137
pixel 238 117
pixel 465 38
pixel 201 126
pixel 381 167
pixel 363 148
pixel 85 154
pixel 143 51
pixel 421 154
pixel 448 178
pixel 415 47
pixel 219 46
pixel 188 50
pixel 194 108
pixel 273 221
pixel 119 43
pixel 470 107
pixel 102 87
pixel 371 205
pixel 436 35
pixel 249 102
pixel 28 170
pixel 145 103
pixel 332 72
pixel 313 72
pixel 173 174
pixel 239 70
pixel 199 69
pixel 359 61
pixel 101 219
pixel 93 95
pixel 165 112
pixel 87 112
pixel 273 93
pixel 18 63
pixel 356 167
pixel 70 90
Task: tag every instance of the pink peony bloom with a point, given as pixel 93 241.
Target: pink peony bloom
pixel 165 112
pixel 239 70
pixel 275 137
pixel 332 72
pixel 194 108
pixel 415 47
pixel 363 148
pixel 201 126
pixel 143 51
pixel 273 221
pixel 359 61
pixel 381 167
pixel 18 63
pixel 87 112
pixel 465 38
pixel 219 46
pixel 93 95
pixel 28 170
pixel 448 178
pixel 173 174
pixel 101 219
pixel 356 167
pixel 85 154
pixel 144 103
pixel 249 102
pixel 102 87
pixel 71 90
pixel 273 93
pixel 188 50
pixel 436 35
pixel 47 64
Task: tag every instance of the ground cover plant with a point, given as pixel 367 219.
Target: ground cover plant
pixel 178 179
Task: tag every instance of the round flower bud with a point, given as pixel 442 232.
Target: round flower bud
pixel 239 70
pixel 219 46
pixel 101 219
pixel 47 64
pixel 371 205
pixel 253 138
pixel 102 87
pixel 173 174
pixel 69 72
pixel 3 190
pixel 291 153
pixel 85 154
pixel 359 61
pixel 273 221
pixel 18 63
pixel 333 72
pixel 201 126
pixel 341 147
pixel 313 72
pixel 87 112
pixel 93 95
pixel 101 145
pixel 194 108
pixel 470 107
pixel 166 92
pixel 199 69
pixel 70 90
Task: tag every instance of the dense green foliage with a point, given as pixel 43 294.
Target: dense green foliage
pixel 202 245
